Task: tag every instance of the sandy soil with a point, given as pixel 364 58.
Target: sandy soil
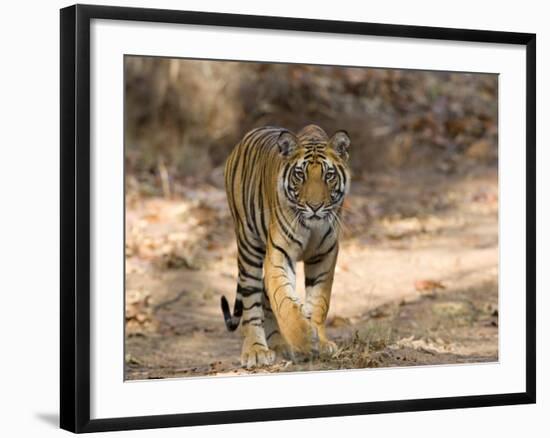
pixel 416 281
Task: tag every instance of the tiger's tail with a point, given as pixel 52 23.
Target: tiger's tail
pixel 232 322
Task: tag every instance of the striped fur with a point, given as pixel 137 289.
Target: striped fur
pixel 285 193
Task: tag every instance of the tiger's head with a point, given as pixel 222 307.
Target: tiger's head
pixel 315 174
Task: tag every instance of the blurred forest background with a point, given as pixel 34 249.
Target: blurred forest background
pixel 421 223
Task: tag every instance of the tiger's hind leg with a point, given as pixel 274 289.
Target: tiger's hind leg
pixel 255 351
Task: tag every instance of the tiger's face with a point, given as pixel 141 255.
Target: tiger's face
pixel 315 175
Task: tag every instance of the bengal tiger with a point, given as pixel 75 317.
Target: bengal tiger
pixel 285 193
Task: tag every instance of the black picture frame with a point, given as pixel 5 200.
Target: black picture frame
pixel 75 217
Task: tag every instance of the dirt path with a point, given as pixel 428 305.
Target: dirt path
pixel 416 281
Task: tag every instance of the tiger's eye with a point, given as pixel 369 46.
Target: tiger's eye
pixel 330 174
pixel 299 173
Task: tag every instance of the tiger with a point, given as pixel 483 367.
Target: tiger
pixel 285 193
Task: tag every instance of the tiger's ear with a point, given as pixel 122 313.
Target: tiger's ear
pixel 340 142
pixel 287 143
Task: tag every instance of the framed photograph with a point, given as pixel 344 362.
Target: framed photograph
pixel 268 218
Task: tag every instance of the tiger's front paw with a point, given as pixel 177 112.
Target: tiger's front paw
pixel 257 355
pixel 302 337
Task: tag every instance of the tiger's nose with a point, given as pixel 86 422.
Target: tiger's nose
pixel 314 206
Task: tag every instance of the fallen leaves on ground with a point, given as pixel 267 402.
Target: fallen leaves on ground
pixel 428 285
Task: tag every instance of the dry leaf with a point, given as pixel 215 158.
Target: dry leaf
pixel 339 321
pixel 428 285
